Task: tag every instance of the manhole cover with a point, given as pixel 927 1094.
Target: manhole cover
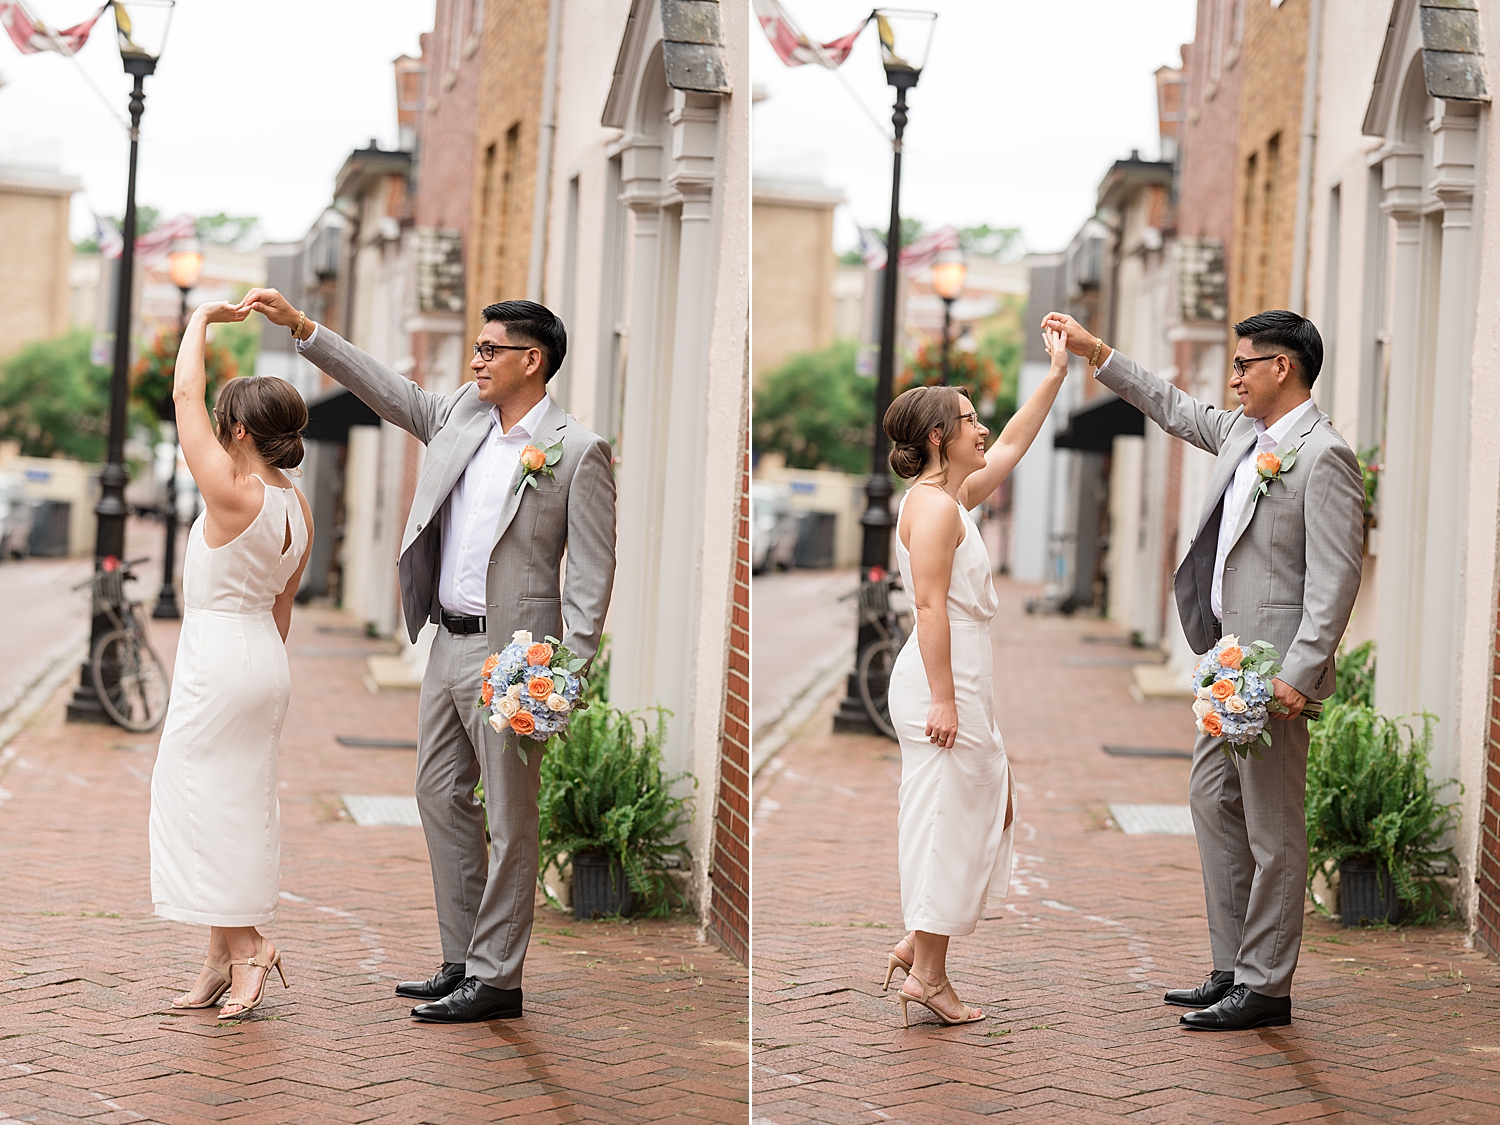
pixel 1153 820
pixel 383 810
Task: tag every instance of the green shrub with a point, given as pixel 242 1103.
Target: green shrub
pixel 1354 677
pixel 603 789
pixel 1369 797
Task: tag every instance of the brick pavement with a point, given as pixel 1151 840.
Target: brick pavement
pixel 629 1022
pixel 1401 1025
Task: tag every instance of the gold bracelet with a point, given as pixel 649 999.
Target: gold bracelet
pixel 301 320
pixel 1094 358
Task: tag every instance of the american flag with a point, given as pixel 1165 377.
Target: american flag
pixel 31 35
pixel 793 47
pixel 919 255
pixel 151 246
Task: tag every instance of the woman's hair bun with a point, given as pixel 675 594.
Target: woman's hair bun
pixel 272 412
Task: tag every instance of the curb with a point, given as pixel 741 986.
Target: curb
pixel 771 735
pixel 39 693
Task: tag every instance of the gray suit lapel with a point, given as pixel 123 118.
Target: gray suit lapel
pixel 460 453
pixel 1296 438
pixel 1230 455
pixel 554 421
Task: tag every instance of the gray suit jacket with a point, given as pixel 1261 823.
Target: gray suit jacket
pixel 574 511
pixel 1293 571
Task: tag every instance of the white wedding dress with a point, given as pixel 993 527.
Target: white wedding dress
pixel 215 821
pixel 954 845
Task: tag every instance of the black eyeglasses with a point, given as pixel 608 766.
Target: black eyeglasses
pixel 1239 364
pixel 487 352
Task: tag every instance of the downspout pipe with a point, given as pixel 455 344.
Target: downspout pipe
pixel 537 271
pixel 1301 234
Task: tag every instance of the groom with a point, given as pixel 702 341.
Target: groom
pixel 481 557
pixel 1281 567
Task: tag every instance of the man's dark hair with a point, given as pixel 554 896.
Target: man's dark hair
pixel 1278 330
pixel 527 322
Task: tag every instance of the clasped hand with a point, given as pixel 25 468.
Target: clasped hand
pixel 1289 701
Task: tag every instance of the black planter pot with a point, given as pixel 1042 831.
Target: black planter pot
pixel 1366 893
pixel 599 886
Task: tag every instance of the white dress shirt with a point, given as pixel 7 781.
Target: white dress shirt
pixel 1242 486
pixel 472 511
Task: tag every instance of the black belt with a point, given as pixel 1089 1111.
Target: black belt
pixel 1218 630
pixel 462 623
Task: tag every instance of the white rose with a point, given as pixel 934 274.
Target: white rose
pixel 1201 729
pixel 1205 693
pixel 1202 707
pixel 521 637
pixel 499 721
pixel 1235 704
pixel 1225 642
pixel 513 692
pixel 508 706
pixel 556 702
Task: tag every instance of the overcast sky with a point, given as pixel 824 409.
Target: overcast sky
pixel 1021 110
pixel 252 110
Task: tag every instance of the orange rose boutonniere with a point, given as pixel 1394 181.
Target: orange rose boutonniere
pixel 1269 466
pixel 536 461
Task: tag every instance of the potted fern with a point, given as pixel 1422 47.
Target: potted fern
pixel 607 808
pixel 1374 814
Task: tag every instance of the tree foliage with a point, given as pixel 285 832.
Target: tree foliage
pixel 151 377
pixel 54 401
pixel 817 411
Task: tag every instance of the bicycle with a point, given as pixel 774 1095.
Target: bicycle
pixel 128 676
pixel 873 670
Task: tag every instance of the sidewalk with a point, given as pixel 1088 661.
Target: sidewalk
pixel 628 1022
pixel 1400 1025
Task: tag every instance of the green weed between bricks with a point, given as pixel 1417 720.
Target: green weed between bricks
pixel 1369 795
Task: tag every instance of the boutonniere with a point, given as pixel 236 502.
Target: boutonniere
pixel 1270 466
pixel 537 461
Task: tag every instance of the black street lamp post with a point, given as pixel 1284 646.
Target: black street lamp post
pixel 875 556
pixel 109 543
pixel 184 264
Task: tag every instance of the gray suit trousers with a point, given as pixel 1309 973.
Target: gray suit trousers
pixel 1252 840
pixel 486 897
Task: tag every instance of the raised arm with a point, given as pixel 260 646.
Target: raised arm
pixel 1171 408
pixel 393 396
pixel 590 577
pixel 231 501
pixel 1021 430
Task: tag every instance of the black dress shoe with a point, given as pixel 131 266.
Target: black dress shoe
pixel 449 976
pixel 1240 1011
pixel 1211 991
pixel 471 1002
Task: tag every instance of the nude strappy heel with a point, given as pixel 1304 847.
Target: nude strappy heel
pixel 893 960
pixel 928 994
pixel 221 970
pixel 260 992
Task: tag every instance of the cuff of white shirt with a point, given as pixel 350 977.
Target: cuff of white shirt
pixel 1098 369
pixel 303 345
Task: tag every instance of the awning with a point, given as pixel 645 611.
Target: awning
pixel 330 415
pixel 1094 427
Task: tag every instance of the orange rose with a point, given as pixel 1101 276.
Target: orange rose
pixel 491 664
pixel 1222 689
pixel 486 693
pixel 1213 726
pixel 1268 463
pixel 539 655
pixel 539 688
pixel 533 459
pixel 522 722
pixel 1231 657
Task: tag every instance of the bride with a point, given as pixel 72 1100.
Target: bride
pixel 215 822
pixel 957 801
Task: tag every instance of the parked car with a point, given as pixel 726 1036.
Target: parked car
pixel 773 529
pixel 15 518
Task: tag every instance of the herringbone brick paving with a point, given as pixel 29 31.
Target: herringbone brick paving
pixel 1397 1025
pixel 625 1022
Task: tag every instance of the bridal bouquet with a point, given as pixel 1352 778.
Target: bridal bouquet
pixel 1235 697
pixel 531 688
